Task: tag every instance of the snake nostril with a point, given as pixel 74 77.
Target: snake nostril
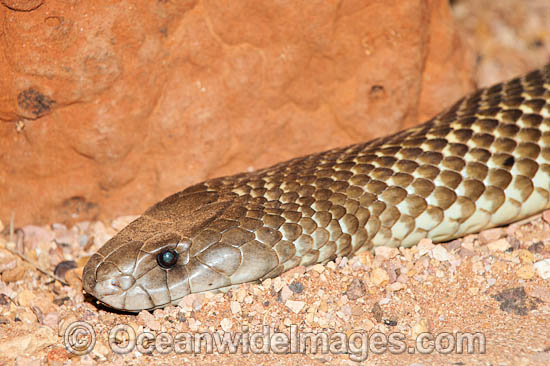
pixel 124 282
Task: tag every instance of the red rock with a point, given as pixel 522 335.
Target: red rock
pixel 57 355
pixel 107 108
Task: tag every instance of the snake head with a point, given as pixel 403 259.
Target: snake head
pixel 190 242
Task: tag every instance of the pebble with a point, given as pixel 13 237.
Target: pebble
pixel 194 301
pixel 296 287
pixel 379 276
pixel 396 286
pixel 24 298
pixel 28 343
pixel 286 293
pixel 540 293
pixel 490 235
pixel 319 268
pixel 524 255
pixel 299 270
pixel 7 263
pixel 420 326
pixel 235 307
pixel 543 268
pixel 35 235
pixel 424 246
pixel 440 253
pixel 277 284
pixel 356 289
pixel 385 252
pixel 194 324
pixel 57 356
pixel 226 324
pixel 27 361
pixel 148 320
pixel 499 245
pixel 526 272
pixel 295 306
pixel 14 274
pixel 546 216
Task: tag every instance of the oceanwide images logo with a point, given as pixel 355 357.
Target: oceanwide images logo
pixel 80 339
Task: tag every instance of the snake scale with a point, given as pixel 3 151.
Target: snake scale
pixel 481 163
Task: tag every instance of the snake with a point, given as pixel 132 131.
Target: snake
pixel 483 162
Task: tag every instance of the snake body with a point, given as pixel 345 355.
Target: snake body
pixel 481 163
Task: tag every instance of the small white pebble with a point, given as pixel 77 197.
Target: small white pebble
pixel 543 268
pixel 343 262
pixel 424 246
pixel 286 293
pixel 226 324
pixel 384 301
pixel 319 268
pixel 295 306
pixel 277 284
pixel 499 245
pixel 440 253
pixel 386 252
pixel 490 235
pixel 235 307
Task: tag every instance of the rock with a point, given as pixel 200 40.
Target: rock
pixel 424 246
pixel 526 272
pixel 515 300
pixel 238 80
pixel 296 271
pixel 25 297
pixel 440 253
pixel 286 293
pixel 386 252
pixel 319 268
pixel 379 277
pixel 226 324
pixel 148 320
pixel 396 286
pixel 295 306
pixel 27 361
pixel 524 255
pixel 499 245
pixel 420 326
pixel 296 287
pixel 490 235
pixel 543 268
pixel 540 292
pixel 57 356
pixel 356 289
pixel 21 342
pixel 7 263
pixel 235 307
pixel 14 274
pixel 546 216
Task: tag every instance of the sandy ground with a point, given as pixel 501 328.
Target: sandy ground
pixel 492 289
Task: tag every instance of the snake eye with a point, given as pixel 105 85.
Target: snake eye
pixel 167 259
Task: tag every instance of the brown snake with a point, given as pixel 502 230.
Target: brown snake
pixel 481 163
